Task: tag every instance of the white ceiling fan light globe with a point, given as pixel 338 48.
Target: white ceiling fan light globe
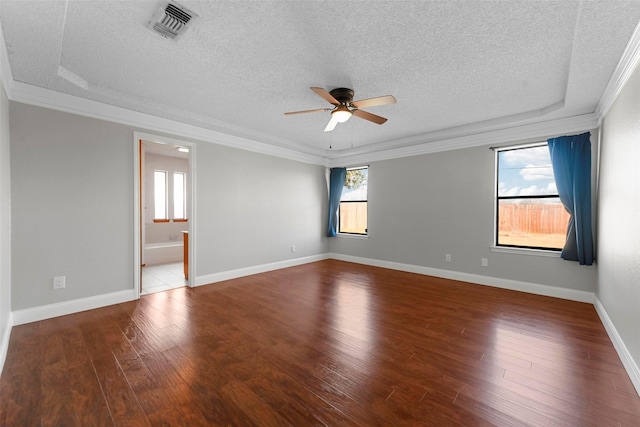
pixel 341 114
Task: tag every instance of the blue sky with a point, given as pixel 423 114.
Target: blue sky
pixel 525 172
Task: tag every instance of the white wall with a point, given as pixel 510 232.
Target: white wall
pixel 422 207
pixel 619 216
pixel 72 207
pixel 5 225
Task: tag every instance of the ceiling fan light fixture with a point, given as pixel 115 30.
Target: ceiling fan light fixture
pixel 341 114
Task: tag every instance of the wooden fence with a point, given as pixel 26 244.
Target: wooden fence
pixel 353 217
pixel 540 218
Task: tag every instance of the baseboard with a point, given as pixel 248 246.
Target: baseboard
pixel 256 269
pixel 514 285
pixel 4 345
pixel 627 360
pixel 49 311
pixel 69 307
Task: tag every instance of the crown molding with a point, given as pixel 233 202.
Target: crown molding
pixel 626 66
pixel 434 143
pixel 497 123
pixel 473 135
pixel 41 97
pixel 490 132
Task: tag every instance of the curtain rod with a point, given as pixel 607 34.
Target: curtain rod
pixel 510 147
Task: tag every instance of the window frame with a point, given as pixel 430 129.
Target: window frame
pixel 353 234
pixel 497 198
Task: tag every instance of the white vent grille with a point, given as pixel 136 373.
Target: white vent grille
pixel 171 20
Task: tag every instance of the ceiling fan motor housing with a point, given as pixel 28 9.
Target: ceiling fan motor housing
pixel 342 95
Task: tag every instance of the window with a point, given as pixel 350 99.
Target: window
pixel 179 200
pixel 160 196
pixel 529 213
pixel 352 213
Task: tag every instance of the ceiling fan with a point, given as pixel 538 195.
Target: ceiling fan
pixel 344 106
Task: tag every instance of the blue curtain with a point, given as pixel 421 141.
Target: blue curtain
pixel 336 184
pixel 571 160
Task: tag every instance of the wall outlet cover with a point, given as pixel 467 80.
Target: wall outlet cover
pixel 58 282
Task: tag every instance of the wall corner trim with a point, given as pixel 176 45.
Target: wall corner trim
pixel 625 356
pixel 49 311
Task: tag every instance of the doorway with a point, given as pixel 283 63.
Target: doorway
pixel 164 213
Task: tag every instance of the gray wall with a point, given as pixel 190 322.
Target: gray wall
pixel 422 207
pixel 5 218
pixel 618 213
pixel 251 208
pixel 72 207
pixel 72 204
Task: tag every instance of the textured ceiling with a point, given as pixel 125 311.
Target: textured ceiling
pixel 242 64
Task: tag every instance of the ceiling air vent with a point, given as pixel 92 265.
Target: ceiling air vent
pixel 171 20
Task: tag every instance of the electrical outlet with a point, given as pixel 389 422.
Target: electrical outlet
pixel 293 248
pixel 59 282
pixel 484 262
pixel 447 258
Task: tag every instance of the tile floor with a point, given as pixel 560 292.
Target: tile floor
pixel 162 277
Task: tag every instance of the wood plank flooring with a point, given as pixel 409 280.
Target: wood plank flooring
pixel 328 343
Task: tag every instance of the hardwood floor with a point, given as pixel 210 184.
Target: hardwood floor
pixel 328 343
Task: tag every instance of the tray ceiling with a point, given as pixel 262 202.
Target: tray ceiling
pixel 453 66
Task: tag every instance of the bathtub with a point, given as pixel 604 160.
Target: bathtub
pixel 163 252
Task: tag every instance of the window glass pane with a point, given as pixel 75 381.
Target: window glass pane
pixel 353 217
pixel 537 223
pixel 178 195
pixel 353 203
pixel 526 172
pixel 355 185
pixel 160 194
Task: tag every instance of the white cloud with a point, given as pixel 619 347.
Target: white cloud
pixel 507 192
pixel 533 172
pixel 531 156
pixel 530 191
pixel 551 188
pixel 534 190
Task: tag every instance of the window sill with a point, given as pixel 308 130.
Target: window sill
pixel 180 220
pixel 525 251
pixel 353 236
pixel 161 220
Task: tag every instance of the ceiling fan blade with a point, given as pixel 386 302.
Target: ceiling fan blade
pixel 372 102
pixel 331 125
pixel 322 93
pixel 317 110
pixel 368 116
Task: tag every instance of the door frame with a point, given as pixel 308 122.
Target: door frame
pixel 138 137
